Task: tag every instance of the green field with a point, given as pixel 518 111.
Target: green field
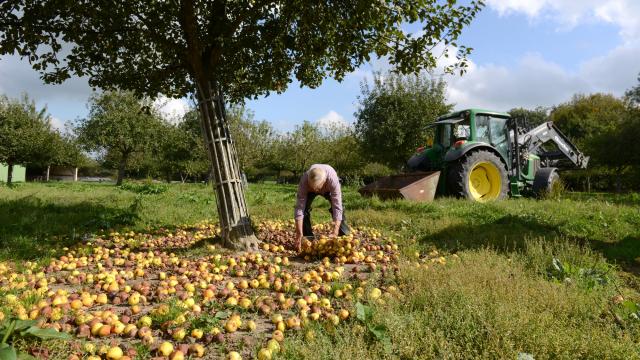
pixel 504 296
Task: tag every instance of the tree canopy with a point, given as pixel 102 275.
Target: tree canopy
pixel 254 139
pixel 531 117
pixel 24 132
pixel 180 150
pixel 633 94
pixel 252 47
pixel 393 115
pixel 585 116
pixel 119 126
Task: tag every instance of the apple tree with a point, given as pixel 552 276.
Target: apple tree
pixel 25 132
pixel 119 127
pixel 224 51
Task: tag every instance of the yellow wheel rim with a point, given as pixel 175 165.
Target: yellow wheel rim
pixel 485 182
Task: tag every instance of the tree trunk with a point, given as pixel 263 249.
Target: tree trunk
pixel 9 173
pixel 47 173
pixel 121 168
pixel 235 222
pixel 75 174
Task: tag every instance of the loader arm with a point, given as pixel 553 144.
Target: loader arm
pixel 545 132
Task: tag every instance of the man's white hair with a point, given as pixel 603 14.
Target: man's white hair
pixel 316 177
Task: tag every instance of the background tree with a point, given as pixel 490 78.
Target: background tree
pixel 178 153
pixel 59 149
pixel 225 51
pixel 394 113
pixel 533 117
pixel 305 147
pixel 342 150
pixel 616 149
pixel 633 94
pixel 592 122
pixel 24 132
pixel 119 127
pixel 586 115
pixel 254 139
pixel 70 152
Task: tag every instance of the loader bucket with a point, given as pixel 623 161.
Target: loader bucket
pixel 418 186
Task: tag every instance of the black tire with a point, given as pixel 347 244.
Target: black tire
pixel 458 175
pixel 544 181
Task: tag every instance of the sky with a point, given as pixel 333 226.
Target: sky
pixel 527 53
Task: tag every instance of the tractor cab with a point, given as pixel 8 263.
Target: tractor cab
pixel 457 133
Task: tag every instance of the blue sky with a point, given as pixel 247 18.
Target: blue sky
pixel 526 54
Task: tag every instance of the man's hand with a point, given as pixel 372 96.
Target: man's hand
pixel 299 236
pixel 336 228
pixel 298 242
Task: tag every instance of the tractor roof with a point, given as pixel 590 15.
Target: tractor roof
pixel 475 111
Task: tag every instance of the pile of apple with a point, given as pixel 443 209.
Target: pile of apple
pixel 124 288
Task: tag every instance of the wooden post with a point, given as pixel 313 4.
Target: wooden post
pixel 237 231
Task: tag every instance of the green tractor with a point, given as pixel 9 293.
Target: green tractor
pixel 484 156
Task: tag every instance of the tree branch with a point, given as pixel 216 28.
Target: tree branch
pixel 188 22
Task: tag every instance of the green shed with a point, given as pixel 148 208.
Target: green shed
pixel 19 173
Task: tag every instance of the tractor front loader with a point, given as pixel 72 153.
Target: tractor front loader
pixel 483 156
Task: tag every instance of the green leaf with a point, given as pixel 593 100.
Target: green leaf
pixel 379 331
pixel 24 324
pixel 386 343
pixel 631 306
pixel 364 313
pixel 7 352
pixel 222 314
pixel 46 333
pixel 25 356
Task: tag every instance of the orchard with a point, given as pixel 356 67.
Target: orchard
pixel 175 294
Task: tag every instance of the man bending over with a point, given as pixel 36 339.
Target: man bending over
pixel 320 179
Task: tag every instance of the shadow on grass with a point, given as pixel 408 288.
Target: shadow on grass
pixel 30 227
pixel 506 233
pixel 509 233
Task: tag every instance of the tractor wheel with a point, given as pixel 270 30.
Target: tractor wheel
pixel 479 176
pixel 544 181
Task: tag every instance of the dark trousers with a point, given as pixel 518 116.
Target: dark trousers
pixel 306 221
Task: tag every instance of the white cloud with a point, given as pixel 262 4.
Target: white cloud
pixel 57 124
pixel 332 119
pixel 171 109
pixel 535 81
pixel 569 13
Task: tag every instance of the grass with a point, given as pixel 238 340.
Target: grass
pixel 533 277
pixel 485 305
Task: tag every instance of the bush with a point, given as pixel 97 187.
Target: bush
pixel 373 171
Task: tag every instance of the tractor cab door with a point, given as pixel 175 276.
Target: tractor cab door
pixel 444 135
pixel 493 130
